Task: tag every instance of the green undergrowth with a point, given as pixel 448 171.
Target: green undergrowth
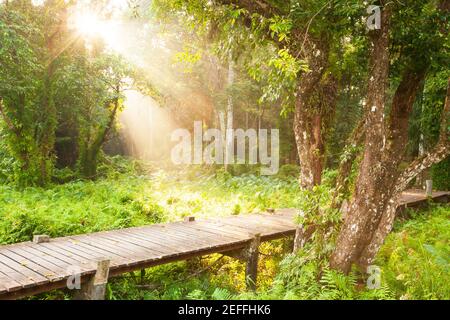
pixel 414 260
pixel 130 196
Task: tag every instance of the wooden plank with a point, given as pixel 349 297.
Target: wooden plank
pixel 186 233
pixel 99 252
pixel 285 220
pixel 183 246
pixel 95 240
pixel 45 257
pixel 202 235
pixel 64 256
pixel 210 228
pixel 188 248
pixel 84 255
pixel 128 249
pixel 34 263
pixel 266 227
pixel 79 257
pixel 8 283
pixel 111 246
pixel 3 281
pixel 251 227
pixel 238 231
pixel 22 272
pixel 270 223
pixel 152 247
pixel 138 251
pixel 137 242
pixel 153 240
pixel 178 245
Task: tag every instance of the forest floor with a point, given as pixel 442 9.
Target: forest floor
pixel 415 260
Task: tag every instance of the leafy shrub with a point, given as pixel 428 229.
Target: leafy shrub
pixel 440 174
pixel 63 175
pixel 75 207
pixel 415 259
pixel 288 171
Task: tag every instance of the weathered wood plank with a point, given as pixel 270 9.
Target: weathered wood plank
pixel 53 273
pixel 21 272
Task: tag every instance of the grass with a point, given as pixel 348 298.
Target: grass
pixel 414 260
pixel 128 199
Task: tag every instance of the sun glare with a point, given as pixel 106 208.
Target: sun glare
pixel 89 25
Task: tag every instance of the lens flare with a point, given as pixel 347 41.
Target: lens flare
pixel 89 25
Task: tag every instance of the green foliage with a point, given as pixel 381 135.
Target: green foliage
pixel 318 215
pixel 53 89
pixel 76 207
pixel 304 277
pixel 440 174
pixel 59 93
pixel 415 258
pixel 288 171
pixel 21 93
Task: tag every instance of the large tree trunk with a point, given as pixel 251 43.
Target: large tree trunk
pixel 309 116
pixel 439 153
pixel 369 190
pixel 380 182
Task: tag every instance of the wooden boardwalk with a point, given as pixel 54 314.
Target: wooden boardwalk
pixel 29 268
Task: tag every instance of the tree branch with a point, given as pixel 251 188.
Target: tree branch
pixel 439 152
pixel 346 164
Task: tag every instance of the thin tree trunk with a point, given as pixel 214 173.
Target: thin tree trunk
pixel 89 161
pixel 345 167
pixel 229 145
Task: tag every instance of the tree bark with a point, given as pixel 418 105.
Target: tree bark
pixel 439 153
pixel 364 205
pixel 308 116
pixel 380 181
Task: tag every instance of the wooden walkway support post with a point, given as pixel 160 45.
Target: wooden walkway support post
pixel 300 235
pixel 299 239
pixel 252 256
pixel 429 187
pixel 41 238
pixel 95 288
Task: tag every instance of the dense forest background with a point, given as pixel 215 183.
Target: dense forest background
pixel 80 88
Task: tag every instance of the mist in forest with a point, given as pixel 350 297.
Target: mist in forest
pixel 145 128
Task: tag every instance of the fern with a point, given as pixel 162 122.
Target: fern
pixel 221 294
